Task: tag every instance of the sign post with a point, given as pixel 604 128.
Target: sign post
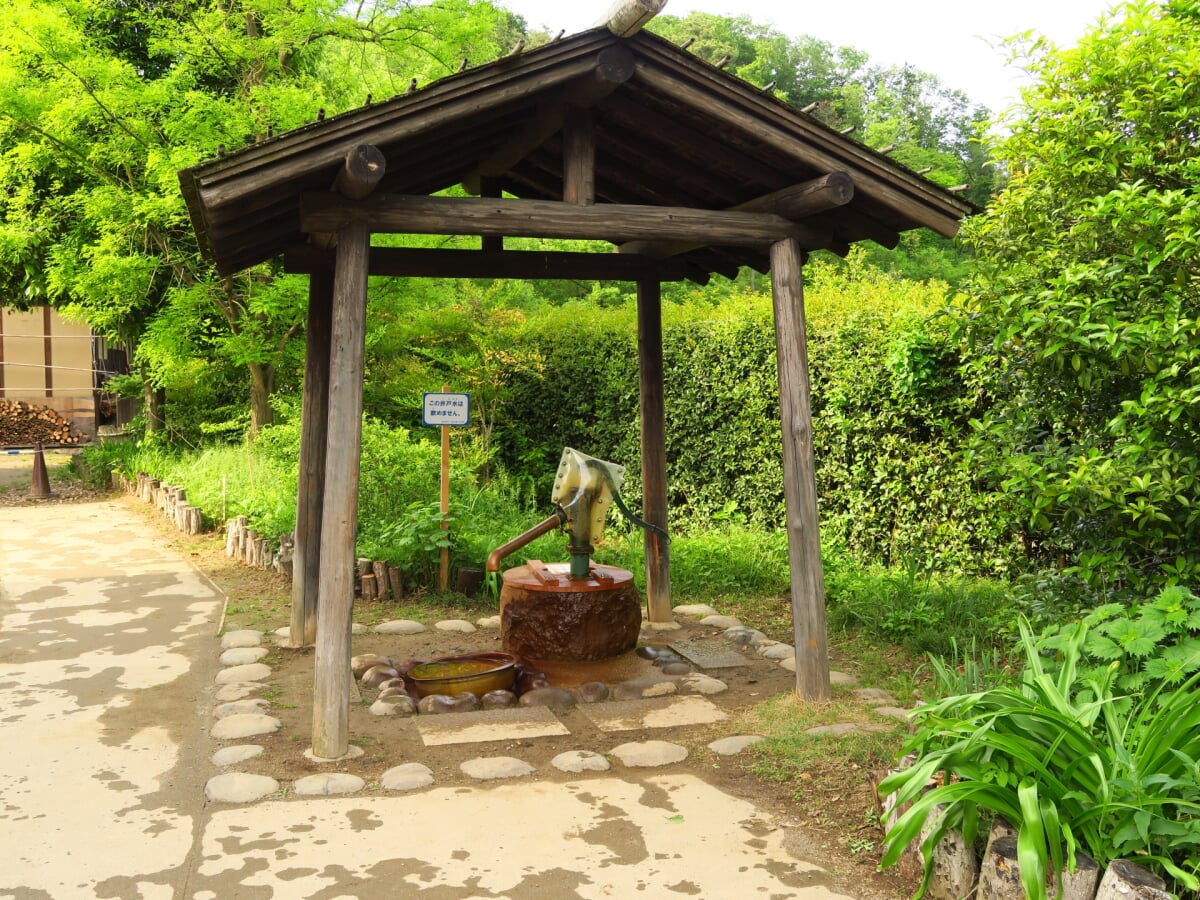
pixel 446 410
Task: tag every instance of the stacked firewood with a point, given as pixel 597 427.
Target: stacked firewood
pixel 23 425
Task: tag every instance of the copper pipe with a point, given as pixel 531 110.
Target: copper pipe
pixel 543 527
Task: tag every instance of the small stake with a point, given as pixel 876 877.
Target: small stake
pixel 41 480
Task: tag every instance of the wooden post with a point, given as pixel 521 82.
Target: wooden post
pixel 444 565
pixel 654 450
pixel 343 451
pixel 799 477
pixel 579 157
pixel 306 558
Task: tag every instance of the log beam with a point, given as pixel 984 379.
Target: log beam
pixel 626 18
pixel 525 264
pixel 799 477
pixel 654 451
pixel 306 557
pixel 796 202
pixel 332 681
pixel 552 219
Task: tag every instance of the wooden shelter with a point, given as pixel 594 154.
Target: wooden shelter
pixel 684 169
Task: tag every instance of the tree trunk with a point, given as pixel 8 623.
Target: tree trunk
pixel 262 385
pixel 154 401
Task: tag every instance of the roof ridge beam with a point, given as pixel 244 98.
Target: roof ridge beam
pixel 626 18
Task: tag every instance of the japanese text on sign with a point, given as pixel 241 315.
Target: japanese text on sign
pixel 446 409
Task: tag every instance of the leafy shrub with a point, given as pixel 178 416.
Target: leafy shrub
pixel 1057 758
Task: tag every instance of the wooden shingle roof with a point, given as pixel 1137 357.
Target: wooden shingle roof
pixel 670 131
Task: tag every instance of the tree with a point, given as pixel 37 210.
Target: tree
pixel 1084 312
pixel 102 102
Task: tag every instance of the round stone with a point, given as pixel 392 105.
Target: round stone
pixel 406 777
pixel 639 688
pixel 741 636
pixel 238 787
pixel 841 678
pixel 500 699
pixel 283 635
pixel 893 712
pixel 593 691
pixel 548 696
pixel 696 610
pixel 358 628
pixel 393 705
pixel 400 626
pixel 778 651
pixel 435 704
pixel 487 768
pixel 649 753
pixel 238 690
pixel 238 707
pixel 489 623
pixel 736 744
pixel 352 752
pixel 327 784
pixel 875 697
pixel 722 622
pixel 459 626
pixel 361 663
pixel 244 725
pixel 244 638
pixel 699 683
pixel 243 656
pixel 576 761
pixel 231 756
pixel 251 672
pixel 789 664
pixel 759 643
pixel 676 668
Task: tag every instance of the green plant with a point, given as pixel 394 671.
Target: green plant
pixel 1061 761
pixel 414 541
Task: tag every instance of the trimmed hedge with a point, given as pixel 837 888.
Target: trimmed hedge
pixel 890 415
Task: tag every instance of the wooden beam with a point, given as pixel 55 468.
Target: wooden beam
pixel 614 66
pixel 526 264
pixel 331 676
pixel 626 18
pixel 553 219
pixel 654 450
pixel 579 157
pixel 362 169
pixel 310 494
pixel 489 187
pixel 795 202
pixel 799 478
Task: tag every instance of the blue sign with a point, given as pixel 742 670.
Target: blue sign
pixel 446 409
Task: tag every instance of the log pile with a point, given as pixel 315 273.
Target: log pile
pixel 23 425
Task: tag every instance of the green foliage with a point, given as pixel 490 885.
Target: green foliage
pixel 1084 311
pixel 1061 761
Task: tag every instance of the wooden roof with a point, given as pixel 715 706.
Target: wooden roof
pixel 670 131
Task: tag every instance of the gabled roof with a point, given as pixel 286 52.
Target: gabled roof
pixel 673 131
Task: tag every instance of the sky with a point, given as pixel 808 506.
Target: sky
pixel 953 39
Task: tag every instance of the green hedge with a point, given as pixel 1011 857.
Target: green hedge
pixel 890 415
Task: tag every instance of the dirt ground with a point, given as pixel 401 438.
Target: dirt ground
pixel 822 827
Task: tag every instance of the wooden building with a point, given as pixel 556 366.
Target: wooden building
pixel 612 134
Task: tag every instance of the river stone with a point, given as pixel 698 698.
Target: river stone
pixel 227 693
pixel 243 656
pixel 244 725
pixel 498 699
pixel 548 696
pixel 352 752
pixel 676 668
pixel 649 753
pixel 377 675
pixel 239 753
pixel 238 787
pixel 875 696
pixel 237 707
pixel 722 622
pixel 576 761
pixel 486 768
pixel 400 626
pixel 250 672
pixel 244 638
pixel 841 678
pixel 393 705
pixel 435 704
pixel 761 643
pixel 459 626
pixel 392 687
pixel 894 712
pixel 699 683
pixel 698 610
pixel 639 688
pixel 736 744
pixel 406 777
pixel 283 634
pixel 779 651
pixel 489 623
pixel 326 784
pixel 741 636
pixel 593 691
pixel 789 664
pixel 364 661
pixel 358 628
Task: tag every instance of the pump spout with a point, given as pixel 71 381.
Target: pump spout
pixel 545 526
